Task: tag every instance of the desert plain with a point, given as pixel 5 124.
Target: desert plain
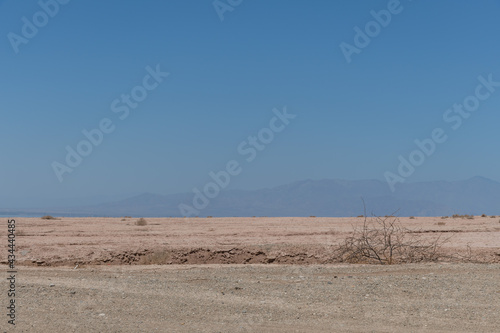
pixel 255 274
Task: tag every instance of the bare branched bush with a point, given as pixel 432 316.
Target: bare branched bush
pixel 383 240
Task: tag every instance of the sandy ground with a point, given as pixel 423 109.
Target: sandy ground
pixel 243 275
pixel 71 241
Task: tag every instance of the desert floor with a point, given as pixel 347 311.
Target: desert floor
pixel 244 275
pixel 71 241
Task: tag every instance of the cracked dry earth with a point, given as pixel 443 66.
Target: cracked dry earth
pixel 243 275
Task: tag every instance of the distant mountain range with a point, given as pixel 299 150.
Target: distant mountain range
pixel 336 198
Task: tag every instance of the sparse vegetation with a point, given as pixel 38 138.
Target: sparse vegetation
pixel 383 240
pixel 141 222
pixel 484 215
pixel 456 216
pixel 412 217
pixel 441 223
pixel 312 216
pixel 209 217
pixel 48 217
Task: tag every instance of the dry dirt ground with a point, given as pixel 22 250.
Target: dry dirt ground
pixel 243 275
pixel 71 241
pixel 259 298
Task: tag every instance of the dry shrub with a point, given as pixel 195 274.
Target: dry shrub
pixel 441 223
pixel 412 217
pixel 48 217
pixel 383 240
pixel 470 217
pixel 484 215
pixel 312 216
pixel 141 222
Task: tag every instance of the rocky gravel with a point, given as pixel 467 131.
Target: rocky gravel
pixel 258 298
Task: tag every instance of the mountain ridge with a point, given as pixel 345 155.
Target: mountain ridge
pixel 325 197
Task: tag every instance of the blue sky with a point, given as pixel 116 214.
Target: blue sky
pixel 353 119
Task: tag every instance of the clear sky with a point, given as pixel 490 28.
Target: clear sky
pixel 353 120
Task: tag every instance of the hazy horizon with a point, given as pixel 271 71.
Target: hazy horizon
pixel 325 197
